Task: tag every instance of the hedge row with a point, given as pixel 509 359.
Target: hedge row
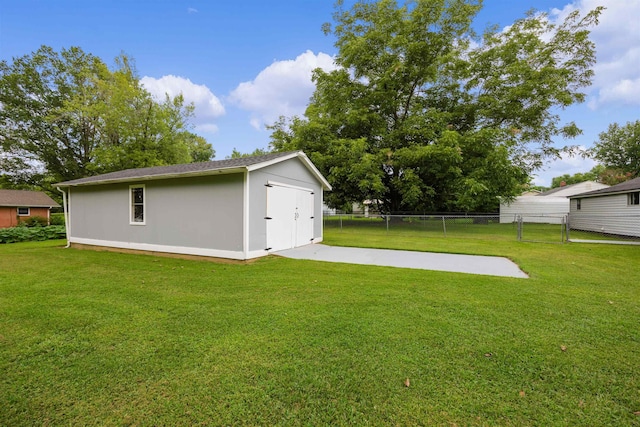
pixel 56 219
pixel 28 234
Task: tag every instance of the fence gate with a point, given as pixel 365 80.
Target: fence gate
pixel 542 229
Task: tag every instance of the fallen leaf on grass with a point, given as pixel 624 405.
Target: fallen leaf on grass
pixel 636 413
pixel 407 383
pixel 581 403
pixel 610 302
pixel 488 355
pixel 563 347
pixel 522 393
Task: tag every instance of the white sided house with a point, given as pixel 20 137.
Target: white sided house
pixel 614 210
pixel 549 207
pixel 238 209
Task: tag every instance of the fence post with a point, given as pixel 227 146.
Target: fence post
pixel 387 223
pixel 568 227
pixel 341 222
pixel 444 227
pixel 519 228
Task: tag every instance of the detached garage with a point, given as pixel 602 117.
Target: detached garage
pixel 239 208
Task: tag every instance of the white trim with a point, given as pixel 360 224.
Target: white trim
pixel 184 250
pixel 277 160
pixel 305 160
pixel 321 216
pixel 245 216
pixel 67 219
pixel 23 207
pixel 280 184
pixel 65 203
pixel 309 164
pixel 271 251
pixel 144 204
pixel 257 254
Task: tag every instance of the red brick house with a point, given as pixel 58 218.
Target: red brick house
pixel 19 205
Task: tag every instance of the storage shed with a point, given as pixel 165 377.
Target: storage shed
pixel 614 210
pixel 238 208
pixel 549 207
pixel 19 205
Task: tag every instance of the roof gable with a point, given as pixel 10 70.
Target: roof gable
pixel 572 189
pixel 25 198
pixel 197 169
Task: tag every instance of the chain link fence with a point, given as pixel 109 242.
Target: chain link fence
pixel 426 226
pixel 542 228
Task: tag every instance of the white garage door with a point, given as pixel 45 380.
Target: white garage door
pixel 289 217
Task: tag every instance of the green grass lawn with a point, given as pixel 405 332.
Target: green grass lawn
pixel 99 338
pixel 435 227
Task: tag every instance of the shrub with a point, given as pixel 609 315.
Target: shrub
pixel 26 234
pixel 56 219
pixel 35 221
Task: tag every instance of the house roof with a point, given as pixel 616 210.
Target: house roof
pixel 570 190
pixel 623 187
pixel 198 169
pixel 26 199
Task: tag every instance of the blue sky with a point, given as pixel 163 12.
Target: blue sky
pixel 245 63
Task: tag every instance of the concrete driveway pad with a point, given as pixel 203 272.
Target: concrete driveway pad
pixel 472 264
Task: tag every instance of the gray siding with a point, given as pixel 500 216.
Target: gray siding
pixel 290 172
pixel 202 212
pixel 606 214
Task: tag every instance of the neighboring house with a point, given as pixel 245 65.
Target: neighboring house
pixel 549 207
pixel 239 208
pixel 365 208
pixel 613 210
pixel 19 205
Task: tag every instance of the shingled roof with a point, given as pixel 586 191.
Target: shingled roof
pixel 623 187
pixel 195 169
pixel 26 199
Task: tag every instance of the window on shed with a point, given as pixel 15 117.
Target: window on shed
pixel 634 198
pixel 136 196
pixel 578 204
pixel 23 211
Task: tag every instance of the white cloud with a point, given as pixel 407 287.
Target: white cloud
pixel 625 91
pixel 207 128
pixel 617 39
pixel 192 10
pixel 283 88
pixel 207 104
pixel 566 164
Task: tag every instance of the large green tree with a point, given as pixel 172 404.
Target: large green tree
pixel 419 116
pixel 66 115
pixel 593 175
pixel 619 148
pixel 599 173
pixel 235 154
